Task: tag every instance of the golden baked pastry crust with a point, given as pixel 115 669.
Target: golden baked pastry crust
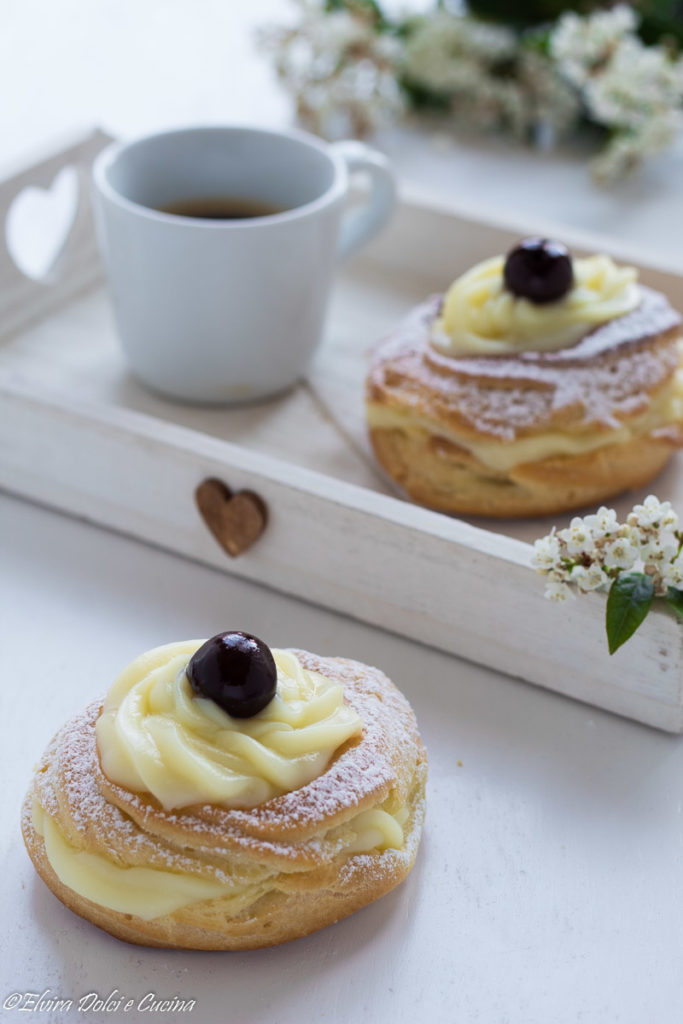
pixel 287 853
pixel 439 475
pixel 606 381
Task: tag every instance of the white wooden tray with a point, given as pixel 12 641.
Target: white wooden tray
pixel 79 434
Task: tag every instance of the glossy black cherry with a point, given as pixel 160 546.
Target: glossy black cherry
pixel 236 671
pixel 540 270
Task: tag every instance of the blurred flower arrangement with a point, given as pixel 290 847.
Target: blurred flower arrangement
pixel 552 73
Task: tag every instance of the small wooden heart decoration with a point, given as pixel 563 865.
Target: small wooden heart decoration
pixel 235 520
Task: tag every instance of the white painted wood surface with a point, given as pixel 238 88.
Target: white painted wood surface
pixel 79 435
pixel 76 264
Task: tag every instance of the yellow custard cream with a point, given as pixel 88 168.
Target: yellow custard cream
pixel 156 736
pixel 147 892
pixel 481 317
pixel 153 892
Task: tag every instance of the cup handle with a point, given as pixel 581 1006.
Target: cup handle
pixel 360 224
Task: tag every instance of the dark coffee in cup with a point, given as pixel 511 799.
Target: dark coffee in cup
pixel 221 208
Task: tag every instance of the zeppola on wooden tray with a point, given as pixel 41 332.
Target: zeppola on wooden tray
pixel 318 520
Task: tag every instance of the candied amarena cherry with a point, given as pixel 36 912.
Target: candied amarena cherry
pixel 540 270
pixel 236 671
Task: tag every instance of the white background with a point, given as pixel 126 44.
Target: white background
pixel 549 883
pixel 136 65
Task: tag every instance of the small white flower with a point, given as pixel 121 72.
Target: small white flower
pixel 672 574
pixel 557 591
pixel 669 517
pixel 560 573
pixel 603 523
pixel 652 513
pixel 655 550
pixel 588 578
pixel 546 553
pixel 631 532
pixel 620 554
pixel 578 537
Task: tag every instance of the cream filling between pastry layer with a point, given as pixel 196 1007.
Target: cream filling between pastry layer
pixel 146 892
pixel 152 892
pixel 156 736
pixel 502 456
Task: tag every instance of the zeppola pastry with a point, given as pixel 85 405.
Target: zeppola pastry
pixel 537 384
pixel 226 796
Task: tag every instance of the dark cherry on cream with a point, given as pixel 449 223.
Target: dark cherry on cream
pixel 236 671
pixel 540 270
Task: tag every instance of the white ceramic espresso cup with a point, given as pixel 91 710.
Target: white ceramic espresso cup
pixel 229 310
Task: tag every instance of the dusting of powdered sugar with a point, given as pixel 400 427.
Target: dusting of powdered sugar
pixel 604 378
pixel 67 790
pixel 292 832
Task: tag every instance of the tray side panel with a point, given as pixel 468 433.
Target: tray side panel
pixel 434 580
pixel 23 299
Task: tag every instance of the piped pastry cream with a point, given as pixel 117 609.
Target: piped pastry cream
pixel 156 736
pixel 481 316
pixel 536 385
pixel 226 796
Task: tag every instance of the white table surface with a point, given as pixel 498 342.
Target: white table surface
pixel 548 885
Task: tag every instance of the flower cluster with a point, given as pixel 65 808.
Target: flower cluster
pixel 484 79
pixel 585 45
pixel 351 69
pixel 634 91
pixel 595 550
pixel 342 72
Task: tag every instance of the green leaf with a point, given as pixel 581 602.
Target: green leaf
pixel 628 602
pixel 423 98
pixel 674 599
